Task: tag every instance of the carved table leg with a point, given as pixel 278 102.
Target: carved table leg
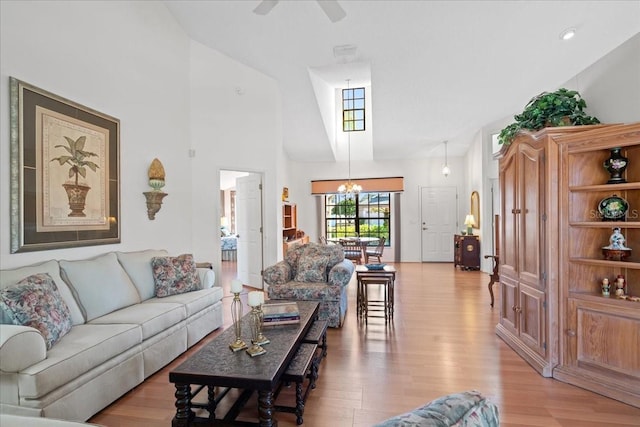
pixel 184 414
pixel 211 402
pixel 299 403
pixel 265 409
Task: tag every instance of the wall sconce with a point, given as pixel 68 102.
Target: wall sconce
pixel 156 181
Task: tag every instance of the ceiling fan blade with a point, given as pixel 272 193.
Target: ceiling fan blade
pixel 265 7
pixel 332 9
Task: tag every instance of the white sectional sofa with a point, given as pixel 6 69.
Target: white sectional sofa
pixel 121 334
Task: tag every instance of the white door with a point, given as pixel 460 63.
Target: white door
pixel 438 223
pixel 249 229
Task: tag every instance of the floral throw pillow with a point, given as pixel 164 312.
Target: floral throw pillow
pixel 35 301
pixel 175 275
pixel 312 269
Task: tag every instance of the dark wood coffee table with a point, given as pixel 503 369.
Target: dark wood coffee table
pixel 215 365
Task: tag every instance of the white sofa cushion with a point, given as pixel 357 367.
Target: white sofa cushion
pixel 101 284
pixel 138 267
pixel 194 301
pixel 11 277
pixel 152 318
pixel 81 350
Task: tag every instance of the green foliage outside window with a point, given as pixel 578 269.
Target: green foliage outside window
pixel 346 207
pixel 368 215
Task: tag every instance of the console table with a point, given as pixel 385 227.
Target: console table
pixel 215 365
pixel 466 252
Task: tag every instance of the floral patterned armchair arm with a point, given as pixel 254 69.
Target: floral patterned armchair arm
pixel 278 273
pixel 341 273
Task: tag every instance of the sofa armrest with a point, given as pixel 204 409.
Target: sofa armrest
pixel 207 275
pixel 278 273
pixel 340 274
pixel 20 347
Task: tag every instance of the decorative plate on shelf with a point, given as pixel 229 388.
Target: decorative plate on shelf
pixel 375 266
pixel 613 208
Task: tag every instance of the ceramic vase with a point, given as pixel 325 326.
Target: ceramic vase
pixel 615 165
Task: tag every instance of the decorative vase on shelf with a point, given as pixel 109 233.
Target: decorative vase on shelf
pixel 615 165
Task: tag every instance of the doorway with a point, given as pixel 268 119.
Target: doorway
pixel 438 221
pixel 241 213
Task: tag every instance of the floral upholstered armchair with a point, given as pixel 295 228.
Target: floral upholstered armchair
pixel 465 409
pixel 313 272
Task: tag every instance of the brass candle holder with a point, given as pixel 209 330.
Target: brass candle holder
pixel 256 348
pixel 236 315
pixel 261 339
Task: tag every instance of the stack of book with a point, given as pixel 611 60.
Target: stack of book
pixel 282 313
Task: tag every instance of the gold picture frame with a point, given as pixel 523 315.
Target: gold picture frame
pixel 475 207
pixel 65 174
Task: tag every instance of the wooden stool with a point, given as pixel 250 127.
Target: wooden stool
pixel 301 367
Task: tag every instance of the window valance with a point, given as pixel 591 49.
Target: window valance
pixel 369 185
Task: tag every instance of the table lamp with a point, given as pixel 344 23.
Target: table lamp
pixel 469 221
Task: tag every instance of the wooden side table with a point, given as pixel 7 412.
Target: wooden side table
pixel 466 252
pixel 385 277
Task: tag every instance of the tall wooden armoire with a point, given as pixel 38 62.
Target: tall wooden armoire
pixel 529 245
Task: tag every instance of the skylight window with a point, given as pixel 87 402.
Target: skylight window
pixel 353 109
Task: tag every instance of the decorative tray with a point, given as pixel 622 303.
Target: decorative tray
pixel 375 266
pixel 613 208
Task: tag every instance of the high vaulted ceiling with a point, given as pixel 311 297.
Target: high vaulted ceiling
pixel 440 70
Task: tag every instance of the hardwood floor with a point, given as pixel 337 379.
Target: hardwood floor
pixel 441 341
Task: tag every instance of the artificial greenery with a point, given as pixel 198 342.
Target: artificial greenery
pixel 560 108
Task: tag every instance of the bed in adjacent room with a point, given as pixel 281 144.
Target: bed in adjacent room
pixel 229 245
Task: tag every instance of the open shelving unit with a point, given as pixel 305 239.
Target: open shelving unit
pixel 599 336
pixel 290 227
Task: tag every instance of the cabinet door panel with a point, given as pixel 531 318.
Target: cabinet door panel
pixel 532 315
pixel 508 233
pixel 609 341
pixel 530 207
pixel 508 303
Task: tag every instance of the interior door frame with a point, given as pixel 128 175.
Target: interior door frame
pixel 262 216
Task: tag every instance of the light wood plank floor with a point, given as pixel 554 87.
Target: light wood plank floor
pixel 441 341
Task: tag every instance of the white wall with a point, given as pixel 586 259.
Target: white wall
pixel 417 173
pixel 128 60
pixel 132 61
pixel 611 88
pixel 236 124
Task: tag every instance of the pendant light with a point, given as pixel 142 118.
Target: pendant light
pixel 446 170
pixel 349 187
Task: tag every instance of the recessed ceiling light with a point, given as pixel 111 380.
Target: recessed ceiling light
pixel 568 34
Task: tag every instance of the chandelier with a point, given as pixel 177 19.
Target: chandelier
pixel 349 187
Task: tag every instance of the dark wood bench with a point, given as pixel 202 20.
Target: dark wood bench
pixel 317 335
pixel 300 368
